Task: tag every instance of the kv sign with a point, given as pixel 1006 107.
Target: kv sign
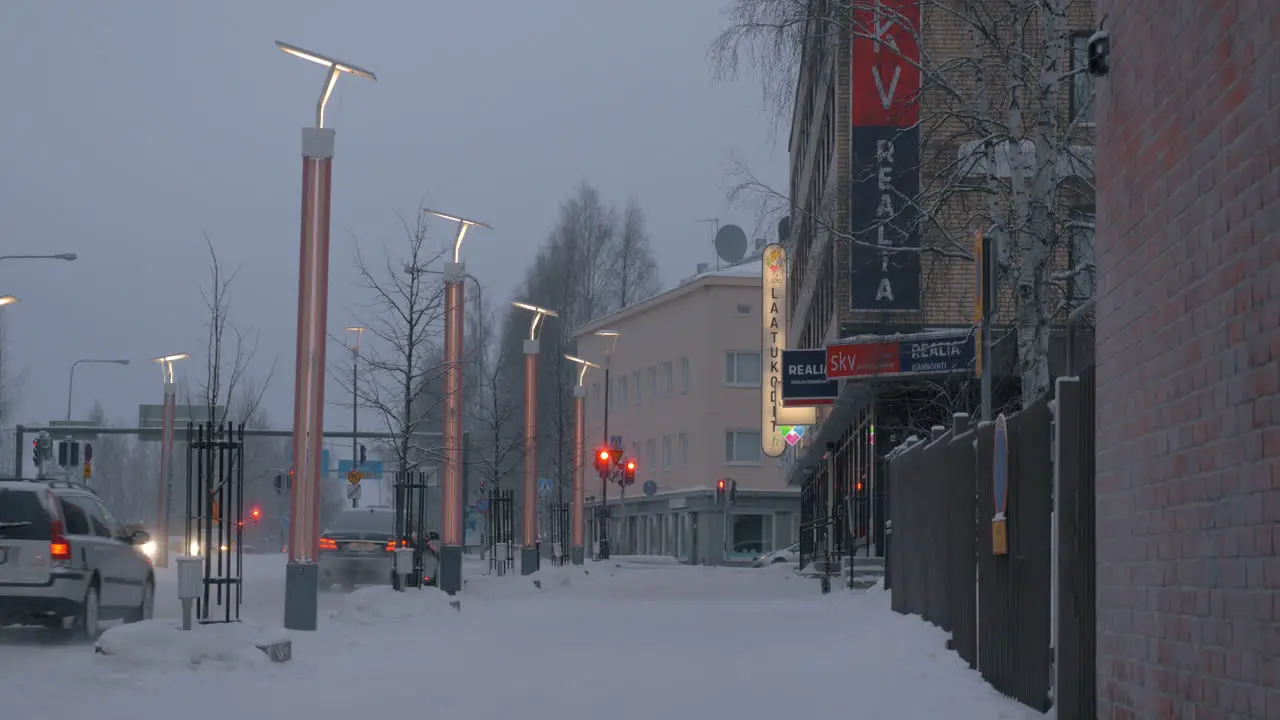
pixel 885 263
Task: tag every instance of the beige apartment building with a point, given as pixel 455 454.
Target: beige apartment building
pixel 684 384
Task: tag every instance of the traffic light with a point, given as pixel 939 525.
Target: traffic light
pixel 362 455
pixel 733 491
pixel 256 513
pixel 603 459
pixel 719 490
pixel 35 452
pixel 629 471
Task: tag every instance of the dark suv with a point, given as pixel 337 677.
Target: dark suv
pixel 66 562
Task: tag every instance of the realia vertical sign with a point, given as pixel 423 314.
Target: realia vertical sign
pixel 885 259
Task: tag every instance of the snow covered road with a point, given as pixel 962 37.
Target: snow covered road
pixel 617 642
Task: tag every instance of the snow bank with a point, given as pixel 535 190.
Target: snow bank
pixel 162 643
pixel 620 560
pixel 380 604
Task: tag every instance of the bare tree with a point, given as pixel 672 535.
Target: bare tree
pixel 403 356
pixel 228 353
pixel 637 272
pixel 1004 133
pixel 494 417
pixel 115 460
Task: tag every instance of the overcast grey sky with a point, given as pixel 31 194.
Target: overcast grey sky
pixel 128 128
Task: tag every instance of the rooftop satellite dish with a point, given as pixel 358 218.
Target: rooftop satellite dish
pixel 784 230
pixel 731 244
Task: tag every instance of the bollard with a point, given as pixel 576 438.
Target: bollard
pixel 190 575
pixel 402 561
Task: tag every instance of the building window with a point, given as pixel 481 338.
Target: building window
pixel 1080 284
pixel 1081 82
pixel 635 385
pixel 742 447
pixel 744 309
pixel 751 535
pixel 667 380
pixel 622 390
pixel 742 369
pixel 666 452
pixel 684 449
pixel 685 374
pixel 651 454
pixel 653 382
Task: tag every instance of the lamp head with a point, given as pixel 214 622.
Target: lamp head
pixel 69 257
pixel 538 314
pixel 329 62
pixel 584 365
pixel 7 300
pixel 464 224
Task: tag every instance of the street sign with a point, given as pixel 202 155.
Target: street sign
pixel 650 487
pixel 1000 487
pixel 369 468
pixel 151 417
pixel 353 492
pixel 804 378
pixel 615 441
pixel 544 486
pixel 482 505
pixel 354 477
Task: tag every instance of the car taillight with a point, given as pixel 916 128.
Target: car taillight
pixel 59 548
pixel 391 546
pixel 327 544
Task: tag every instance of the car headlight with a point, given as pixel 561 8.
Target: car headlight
pixel 194 549
pixel 148 548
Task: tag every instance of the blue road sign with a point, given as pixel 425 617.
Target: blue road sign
pixel 482 505
pixel 324 462
pixel 370 468
pixel 544 486
pixel 650 487
pixel 615 441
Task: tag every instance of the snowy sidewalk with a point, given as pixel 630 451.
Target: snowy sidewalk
pixel 635 641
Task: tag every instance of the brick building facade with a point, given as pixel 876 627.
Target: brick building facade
pixel 1188 348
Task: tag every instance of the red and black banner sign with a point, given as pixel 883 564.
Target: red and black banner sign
pixel 885 258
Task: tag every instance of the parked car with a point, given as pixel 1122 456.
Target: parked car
pixel 66 562
pixel 357 549
pixel 789 554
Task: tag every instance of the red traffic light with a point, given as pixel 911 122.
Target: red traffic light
pixel 631 466
pixel 605 456
pixel 720 486
pixel 256 513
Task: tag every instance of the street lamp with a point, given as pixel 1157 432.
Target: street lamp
pixel 529 548
pixel 68 257
pixel 577 555
pixel 165 482
pixel 8 300
pixel 355 399
pixel 71 381
pixel 612 336
pixel 455 275
pixel 302 582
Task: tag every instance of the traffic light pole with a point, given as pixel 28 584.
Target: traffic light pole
pixel 603 521
pixel 577 553
pixel 529 530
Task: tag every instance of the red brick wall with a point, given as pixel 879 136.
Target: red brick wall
pixel 1188 433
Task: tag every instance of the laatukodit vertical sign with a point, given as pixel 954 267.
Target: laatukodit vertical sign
pixel 773 340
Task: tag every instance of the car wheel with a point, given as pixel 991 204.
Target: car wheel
pixel 147 607
pixel 87 623
pixel 779 560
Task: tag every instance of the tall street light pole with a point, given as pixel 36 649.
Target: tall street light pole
pixel 451 500
pixel 529 528
pixel 302 581
pixel 165 485
pixel 577 554
pixel 71 381
pixel 355 400
pixel 612 337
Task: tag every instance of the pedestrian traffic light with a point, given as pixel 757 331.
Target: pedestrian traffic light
pixel 362 455
pixel 256 513
pixel 603 459
pixel 35 452
pixel 629 471
pixel 719 490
